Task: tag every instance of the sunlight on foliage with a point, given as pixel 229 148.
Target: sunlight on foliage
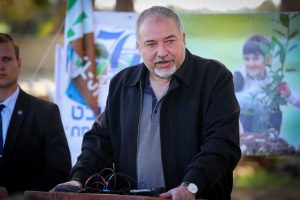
pixel 4 28
pixel 46 28
pixel 260 178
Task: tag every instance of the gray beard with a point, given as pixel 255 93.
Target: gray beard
pixel 165 73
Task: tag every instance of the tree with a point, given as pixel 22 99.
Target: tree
pixel 124 5
pixel 30 16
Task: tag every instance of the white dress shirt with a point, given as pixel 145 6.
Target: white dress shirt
pixel 7 111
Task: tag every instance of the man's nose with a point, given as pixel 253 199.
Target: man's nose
pixel 1 65
pixel 162 50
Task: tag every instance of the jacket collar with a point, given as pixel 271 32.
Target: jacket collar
pixel 138 76
pixel 184 73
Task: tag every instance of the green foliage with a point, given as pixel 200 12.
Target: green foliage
pixel 101 50
pixel 30 16
pixel 282 40
pixel 4 28
pixel 102 58
pixel 46 28
pixel 282 44
pixel 261 178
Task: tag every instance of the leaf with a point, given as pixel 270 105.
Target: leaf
pixel 291 70
pixel 280 45
pixel 277 78
pixel 277 53
pixel 265 49
pixel 281 51
pixel 280 100
pixel 276 41
pixel 282 56
pixel 293 34
pixel 284 19
pixel 292 47
pixel 294 16
pixel 280 33
pixel 273 42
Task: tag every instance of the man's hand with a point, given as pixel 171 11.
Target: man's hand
pixel 73 183
pixel 178 193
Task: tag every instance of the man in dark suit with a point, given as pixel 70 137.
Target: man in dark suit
pixel 34 153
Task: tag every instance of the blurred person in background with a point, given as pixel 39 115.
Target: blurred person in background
pixel 34 153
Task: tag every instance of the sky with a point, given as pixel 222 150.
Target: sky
pixel 216 5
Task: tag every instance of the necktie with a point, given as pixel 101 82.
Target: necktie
pixel 1 134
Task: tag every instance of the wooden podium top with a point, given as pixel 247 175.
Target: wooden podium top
pixel 35 195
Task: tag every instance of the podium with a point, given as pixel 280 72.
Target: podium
pixel 35 195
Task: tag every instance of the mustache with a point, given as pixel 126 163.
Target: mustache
pixel 163 59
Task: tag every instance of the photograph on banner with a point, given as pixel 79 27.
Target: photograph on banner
pixel 262 51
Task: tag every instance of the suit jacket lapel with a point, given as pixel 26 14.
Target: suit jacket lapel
pixel 14 128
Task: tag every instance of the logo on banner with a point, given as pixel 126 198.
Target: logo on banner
pixel 116 50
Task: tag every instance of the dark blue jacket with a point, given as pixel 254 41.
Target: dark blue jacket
pixel 199 128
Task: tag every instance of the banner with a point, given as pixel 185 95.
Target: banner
pixel 221 37
pixel 115 49
pixel 80 47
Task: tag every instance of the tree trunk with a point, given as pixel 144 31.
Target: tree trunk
pixel 124 5
pixel 290 5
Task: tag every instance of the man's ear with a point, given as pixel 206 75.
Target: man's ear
pixel 138 46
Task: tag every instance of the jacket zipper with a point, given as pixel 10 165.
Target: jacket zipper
pixel 138 129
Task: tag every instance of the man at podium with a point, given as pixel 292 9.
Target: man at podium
pixel 171 121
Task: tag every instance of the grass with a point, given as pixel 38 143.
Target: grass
pixel 263 178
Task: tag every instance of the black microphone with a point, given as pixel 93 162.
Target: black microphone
pixel 67 188
pixel 154 192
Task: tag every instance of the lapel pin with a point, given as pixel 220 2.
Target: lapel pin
pixel 20 112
